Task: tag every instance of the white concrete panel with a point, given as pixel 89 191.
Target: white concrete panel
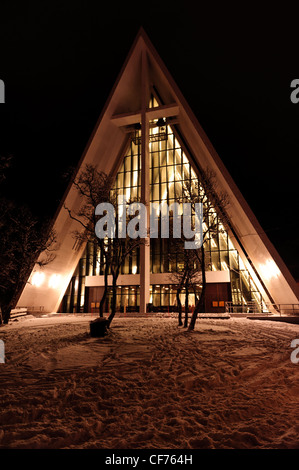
pixel 217 276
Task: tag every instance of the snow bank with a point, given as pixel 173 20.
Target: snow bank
pixel 148 384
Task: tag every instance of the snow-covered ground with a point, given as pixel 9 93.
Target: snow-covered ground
pixel 148 384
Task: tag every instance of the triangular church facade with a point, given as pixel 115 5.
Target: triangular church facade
pixel 151 160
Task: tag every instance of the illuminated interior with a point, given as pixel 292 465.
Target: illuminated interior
pixel 169 169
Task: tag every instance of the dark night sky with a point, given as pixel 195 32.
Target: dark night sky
pixel 234 65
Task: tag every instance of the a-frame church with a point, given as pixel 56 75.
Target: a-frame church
pixel 149 140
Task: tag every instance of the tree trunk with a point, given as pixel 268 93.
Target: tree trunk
pixel 200 304
pixel 186 306
pixel 103 299
pixel 113 303
pixel 179 305
pixel 195 295
pixel 5 313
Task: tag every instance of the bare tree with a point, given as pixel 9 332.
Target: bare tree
pixel 94 188
pixel 204 191
pixel 185 274
pixel 25 241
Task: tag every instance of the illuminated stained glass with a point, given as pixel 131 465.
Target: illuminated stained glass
pixel 169 169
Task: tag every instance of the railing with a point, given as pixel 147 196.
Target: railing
pixel 18 312
pixel 264 308
pixel 33 309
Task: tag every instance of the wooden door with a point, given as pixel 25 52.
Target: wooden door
pixel 216 296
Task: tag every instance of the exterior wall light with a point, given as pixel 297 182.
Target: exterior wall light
pixel 37 279
pixel 54 281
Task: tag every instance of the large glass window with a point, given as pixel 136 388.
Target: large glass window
pixel 169 169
